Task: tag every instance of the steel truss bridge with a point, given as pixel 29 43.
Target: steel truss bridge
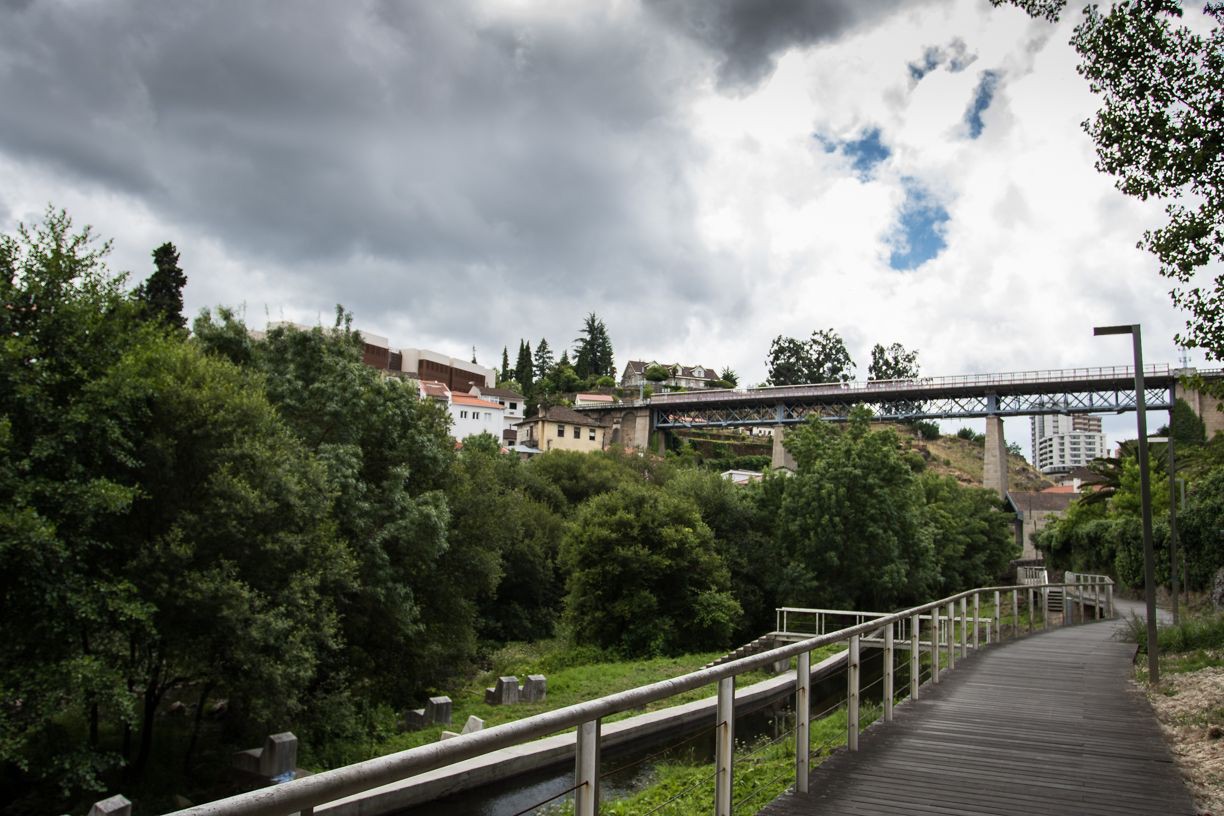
pixel 1026 393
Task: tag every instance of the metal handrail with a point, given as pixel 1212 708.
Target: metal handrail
pixel 302 795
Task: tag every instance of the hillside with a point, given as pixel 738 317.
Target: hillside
pixel 962 459
pixel 948 455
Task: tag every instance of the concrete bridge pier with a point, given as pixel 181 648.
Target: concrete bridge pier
pixel 994 468
pixel 781 457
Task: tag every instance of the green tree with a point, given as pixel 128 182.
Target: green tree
pixel 822 358
pixel 729 376
pixel 543 360
pixel 593 350
pixel 524 368
pixel 851 526
pixel 161 296
pixel 656 373
pixel 644 576
pixel 972 534
pixel 892 363
pixel 505 373
pixel 1160 133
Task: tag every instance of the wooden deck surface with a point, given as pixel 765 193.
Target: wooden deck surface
pixel 1045 724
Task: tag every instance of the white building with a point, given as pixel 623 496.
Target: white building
pixel 512 405
pixel 473 415
pixel 1062 442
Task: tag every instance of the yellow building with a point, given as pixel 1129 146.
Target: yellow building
pixel 560 428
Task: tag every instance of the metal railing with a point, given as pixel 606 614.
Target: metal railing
pixel 1036 377
pixel 943 623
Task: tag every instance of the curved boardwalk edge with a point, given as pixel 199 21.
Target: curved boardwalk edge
pixel 1046 724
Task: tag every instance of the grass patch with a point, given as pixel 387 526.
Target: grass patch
pixel 575 675
pixel 763 771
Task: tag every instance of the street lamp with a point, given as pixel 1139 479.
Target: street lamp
pixel 1145 496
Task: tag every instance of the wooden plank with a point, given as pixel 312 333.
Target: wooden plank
pixel 1047 723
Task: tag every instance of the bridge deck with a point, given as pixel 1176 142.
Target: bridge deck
pixel 1048 724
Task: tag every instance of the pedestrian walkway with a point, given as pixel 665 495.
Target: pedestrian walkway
pixel 1046 724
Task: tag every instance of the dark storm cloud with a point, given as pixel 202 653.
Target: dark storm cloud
pixel 452 152
pixel 748 35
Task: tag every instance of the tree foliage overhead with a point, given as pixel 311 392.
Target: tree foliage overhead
pixel 1160 133
pixel 822 358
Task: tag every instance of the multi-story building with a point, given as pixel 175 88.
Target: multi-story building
pixel 561 428
pixel 418 364
pixel 512 404
pixel 1062 442
pixel 470 415
pixel 680 376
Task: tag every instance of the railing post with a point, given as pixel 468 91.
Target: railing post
pixel 951 616
pixel 586 770
pixel 1096 600
pixel 724 746
pixel 888 672
pixel 1032 611
pixel 1015 613
pixel 852 695
pixel 1109 598
pixel 977 616
pixel 935 643
pixel 803 717
pixel 998 618
pixel 915 652
pixel 1045 608
pixel 964 623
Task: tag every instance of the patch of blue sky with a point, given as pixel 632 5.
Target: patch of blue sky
pixel 921 234
pixel 955 57
pixel 865 153
pixel 983 95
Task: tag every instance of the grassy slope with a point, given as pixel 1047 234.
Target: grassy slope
pixel 574 676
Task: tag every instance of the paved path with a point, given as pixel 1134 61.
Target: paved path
pixel 1045 724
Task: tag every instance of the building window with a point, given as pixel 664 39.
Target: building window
pixel 514 406
pixel 592 434
pixel 560 430
pixel 463 414
pixel 488 415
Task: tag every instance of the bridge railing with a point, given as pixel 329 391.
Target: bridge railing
pixel 958 632
pixel 1051 375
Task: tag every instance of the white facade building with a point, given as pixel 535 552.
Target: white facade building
pixel 472 415
pixel 1062 442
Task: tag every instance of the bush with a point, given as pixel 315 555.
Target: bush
pixel 645 578
pixel 927 429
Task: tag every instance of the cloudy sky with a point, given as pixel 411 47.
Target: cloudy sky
pixel 702 174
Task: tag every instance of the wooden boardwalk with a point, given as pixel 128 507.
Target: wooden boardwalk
pixel 1045 724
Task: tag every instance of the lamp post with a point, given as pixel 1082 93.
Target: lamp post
pixel 1145 497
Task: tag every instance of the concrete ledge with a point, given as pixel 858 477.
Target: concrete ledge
pixel 559 749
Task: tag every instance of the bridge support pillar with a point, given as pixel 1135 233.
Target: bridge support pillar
pixel 781 456
pixel 1205 406
pixel 994 471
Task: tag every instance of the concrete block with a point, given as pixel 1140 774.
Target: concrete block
pixel 117 805
pixel 535 689
pixel 473 725
pixel 506 692
pixel 448 735
pixel 438 711
pixel 279 756
pixel 247 761
pixel 414 719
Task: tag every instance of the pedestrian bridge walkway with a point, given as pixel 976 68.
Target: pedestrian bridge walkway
pixel 1045 724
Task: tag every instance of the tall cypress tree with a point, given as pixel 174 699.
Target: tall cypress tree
pixel 161 296
pixel 504 374
pixel 523 369
pixel 543 359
